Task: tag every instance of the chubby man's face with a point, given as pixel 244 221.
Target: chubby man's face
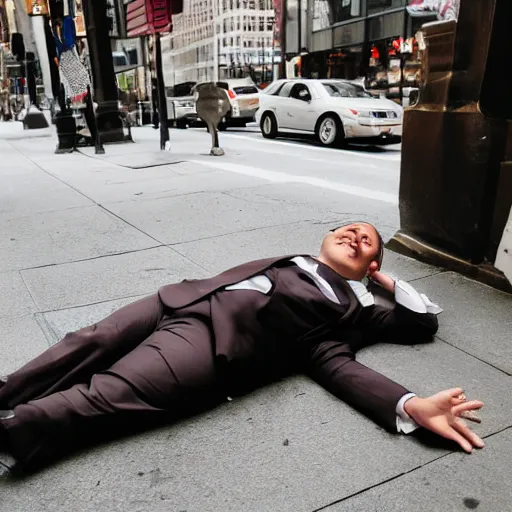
pixel 351 250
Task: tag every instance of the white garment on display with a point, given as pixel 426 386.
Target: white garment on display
pixel 42 50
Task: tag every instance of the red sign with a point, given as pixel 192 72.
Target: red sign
pixel 146 17
pixel 278 21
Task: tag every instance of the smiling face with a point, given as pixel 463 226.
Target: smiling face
pixel 352 251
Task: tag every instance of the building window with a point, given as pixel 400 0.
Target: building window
pixel 344 10
pixel 376 6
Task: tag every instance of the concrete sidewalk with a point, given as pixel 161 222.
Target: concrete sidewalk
pixel 83 236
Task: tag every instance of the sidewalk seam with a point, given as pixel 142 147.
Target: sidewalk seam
pixel 28 290
pixel 81 260
pixel 324 507
pixel 473 356
pixel 44 312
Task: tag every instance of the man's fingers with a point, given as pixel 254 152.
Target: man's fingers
pixel 460 399
pixel 465 431
pixel 454 395
pixel 472 405
pixel 454 435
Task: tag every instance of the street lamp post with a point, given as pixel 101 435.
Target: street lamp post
pixel 102 67
pixel 215 42
pixel 162 100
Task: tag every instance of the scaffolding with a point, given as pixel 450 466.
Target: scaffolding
pixel 220 39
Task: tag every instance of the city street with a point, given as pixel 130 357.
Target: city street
pixel 83 234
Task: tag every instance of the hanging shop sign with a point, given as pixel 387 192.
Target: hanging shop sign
pixel 37 7
pixel 278 22
pixel 146 17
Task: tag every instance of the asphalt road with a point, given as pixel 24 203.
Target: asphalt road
pixel 355 181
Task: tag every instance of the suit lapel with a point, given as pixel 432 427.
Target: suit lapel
pixel 179 295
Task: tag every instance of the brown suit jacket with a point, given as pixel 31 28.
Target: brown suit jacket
pixel 328 350
pixel 180 295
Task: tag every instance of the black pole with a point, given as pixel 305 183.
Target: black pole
pixel 105 86
pixel 299 27
pixel 31 78
pixel 282 37
pixel 162 102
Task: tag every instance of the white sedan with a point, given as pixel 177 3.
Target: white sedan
pixel 335 111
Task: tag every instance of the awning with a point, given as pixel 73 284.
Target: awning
pixel 145 17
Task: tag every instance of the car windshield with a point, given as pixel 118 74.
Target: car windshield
pixel 184 89
pixel 345 90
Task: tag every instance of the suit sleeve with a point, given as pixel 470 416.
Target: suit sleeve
pixel 332 364
pixel 412 320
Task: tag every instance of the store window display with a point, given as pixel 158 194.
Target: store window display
pixel 393 64
pixel 344 63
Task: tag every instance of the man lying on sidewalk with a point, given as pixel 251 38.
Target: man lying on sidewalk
pixel 196 342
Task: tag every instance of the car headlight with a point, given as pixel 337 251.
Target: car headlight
pixel 361 113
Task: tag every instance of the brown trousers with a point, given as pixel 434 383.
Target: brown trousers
pixel 137 362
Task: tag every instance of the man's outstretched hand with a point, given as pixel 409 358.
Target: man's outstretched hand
pixel 440 413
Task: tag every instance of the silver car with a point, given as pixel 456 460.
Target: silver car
pixel 181 105
pixel 335 111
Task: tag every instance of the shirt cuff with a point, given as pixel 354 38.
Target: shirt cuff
pixel 409 298
pixel 404 423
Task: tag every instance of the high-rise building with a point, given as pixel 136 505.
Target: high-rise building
pixel 219 39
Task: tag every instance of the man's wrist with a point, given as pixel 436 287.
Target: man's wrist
pixel 410 406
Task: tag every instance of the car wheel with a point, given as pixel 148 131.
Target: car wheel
pixel 181 124
pixel 268 126
pixel 329 131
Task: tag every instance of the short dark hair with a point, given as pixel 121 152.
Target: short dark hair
pixel 380 253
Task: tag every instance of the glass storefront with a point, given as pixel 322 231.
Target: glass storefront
pixel 393 64
pixel 345 10
pixel 378 48
pixel 379 6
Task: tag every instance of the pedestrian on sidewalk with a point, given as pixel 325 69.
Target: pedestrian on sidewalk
pixel 194 343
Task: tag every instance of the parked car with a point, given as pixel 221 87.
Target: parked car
pixel 335 111
pixel 181 105
pixel 244 97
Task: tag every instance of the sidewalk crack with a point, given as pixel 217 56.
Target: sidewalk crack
pixel 473 356
pixel 81 260
pixel 335 502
